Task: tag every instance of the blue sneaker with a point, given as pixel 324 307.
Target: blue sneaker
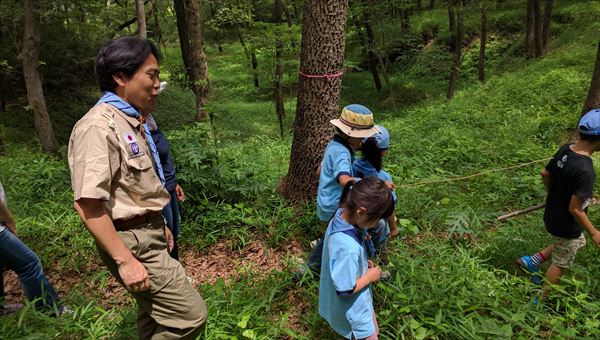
pixel 526 263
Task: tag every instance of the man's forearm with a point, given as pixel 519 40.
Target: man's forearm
pixel 102 229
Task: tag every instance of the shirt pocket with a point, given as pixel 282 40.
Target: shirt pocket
pixel 360 314
pixel 134 168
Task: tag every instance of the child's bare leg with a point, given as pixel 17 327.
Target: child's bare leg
pixel 553 275
pixel 547 252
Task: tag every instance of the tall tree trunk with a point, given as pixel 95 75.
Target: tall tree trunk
pixel 107 15
pixel 530 30
pixel 451 17
pixel 184 38
pixel 141 18
pixel 537 13
pixel 419 5
pixel 431 4
pixel 370 43
pixel 278 95
pixel 457 52
pixel 546 26
pixel 318 98
pixel 593 97
pixel 33 83
pixel 198 63
pixel 82 13
pixel 156 24
pixel 483 39
pixel 405 12
pixel 251 54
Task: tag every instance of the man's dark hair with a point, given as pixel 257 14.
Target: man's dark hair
pixel 122 56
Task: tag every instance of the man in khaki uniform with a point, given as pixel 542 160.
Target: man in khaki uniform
pixel 119 195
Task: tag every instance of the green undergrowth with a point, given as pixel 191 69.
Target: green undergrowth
pixel 452 270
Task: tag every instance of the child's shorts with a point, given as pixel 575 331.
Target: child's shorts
pixel 563 253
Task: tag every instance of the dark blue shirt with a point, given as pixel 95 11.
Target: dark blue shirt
pixel 166 160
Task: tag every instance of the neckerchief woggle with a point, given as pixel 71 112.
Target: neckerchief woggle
pixel 116 101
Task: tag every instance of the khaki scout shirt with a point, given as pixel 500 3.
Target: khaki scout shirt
pixel 110 160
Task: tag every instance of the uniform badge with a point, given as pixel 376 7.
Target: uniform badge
pixel 135 149
pixel 130 138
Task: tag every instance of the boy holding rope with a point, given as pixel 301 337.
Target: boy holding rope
pixel 569 180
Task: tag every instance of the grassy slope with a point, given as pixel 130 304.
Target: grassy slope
pixel 446 284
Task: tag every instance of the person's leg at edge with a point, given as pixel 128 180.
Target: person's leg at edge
pixel 15 255
pixel 176 224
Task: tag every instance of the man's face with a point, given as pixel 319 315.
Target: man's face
pixel 141 89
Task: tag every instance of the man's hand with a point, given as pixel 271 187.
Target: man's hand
pixel 134 275
pixel 180 194
pixel 11 226
pixel 170 239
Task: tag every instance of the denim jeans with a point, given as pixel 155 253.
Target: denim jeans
pixel 376 245
pixel 15 255
pixel 171 214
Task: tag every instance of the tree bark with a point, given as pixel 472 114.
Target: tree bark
pixel 157 33
pixel 537 13
pixel 593 97
pixel 483 40
pixel 184 38
pixel 431 4
pixel 546 26
pixel 249 54
pixel 198 63
pixel 322 52
pixel 530 31
pixel 278 95
pixel 107 15
pixel 372 58
pixel 419 5
pixel 405 12
pixel 451 17
pixel 33 83
pixel 457 52
pixel 141 18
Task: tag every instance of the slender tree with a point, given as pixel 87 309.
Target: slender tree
pixel 318 96
pixel 451 16
pixel 33 81
pixel 546 26
pixel 431 4
pixel 198 62
pixel 457 51
pixel 182 30
pixel 368 38
pixel 593 97
pixel 140 14
pixel 483 40
pixel 529 30
pixel 537 24
pixel 278 95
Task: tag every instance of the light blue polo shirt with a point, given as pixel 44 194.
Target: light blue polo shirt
pixel 337 161
pixel 363 169
pixel 344 261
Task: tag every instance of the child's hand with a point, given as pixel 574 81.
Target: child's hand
pixel 390 185
pixel 596 238
pixel 373 274
pixel 394 232
pixel 371 265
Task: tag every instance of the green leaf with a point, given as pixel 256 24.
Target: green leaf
pixel 244 322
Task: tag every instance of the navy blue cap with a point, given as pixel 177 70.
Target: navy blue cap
pixel 589 124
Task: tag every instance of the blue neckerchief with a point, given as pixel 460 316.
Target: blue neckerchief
pixel 117 102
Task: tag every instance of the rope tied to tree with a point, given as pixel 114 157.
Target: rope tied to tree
pixel 485 172
pixel 326 76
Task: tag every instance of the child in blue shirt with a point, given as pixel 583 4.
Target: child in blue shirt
pixel 371 164
pixel 345 299
pixel 335 171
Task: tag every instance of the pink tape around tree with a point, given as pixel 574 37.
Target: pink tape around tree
pixel 327 76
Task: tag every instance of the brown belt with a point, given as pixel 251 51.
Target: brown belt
pixel 154 218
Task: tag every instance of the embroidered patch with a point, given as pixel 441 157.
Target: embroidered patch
pixel 130 138
pixel 135 149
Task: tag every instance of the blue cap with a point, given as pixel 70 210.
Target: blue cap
pixel 382 138
pixel 589 124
